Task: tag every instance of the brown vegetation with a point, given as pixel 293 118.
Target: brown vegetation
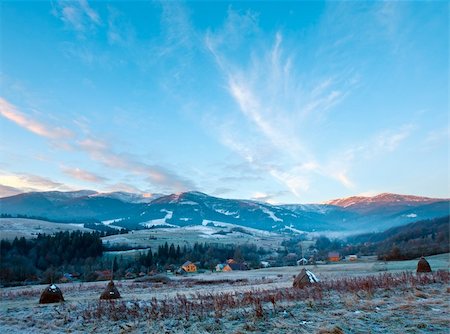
pixel 110 292
pixel 51 294
pixel 201 305
pixel 304 278
pixel 423 266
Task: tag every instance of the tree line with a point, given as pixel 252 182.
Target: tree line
pixel 24 259
pixel 207 255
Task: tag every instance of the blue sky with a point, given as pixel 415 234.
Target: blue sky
pixel 277 101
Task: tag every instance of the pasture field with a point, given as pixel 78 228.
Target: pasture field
pixel 351 298
pixel 187 236
pixel 30 228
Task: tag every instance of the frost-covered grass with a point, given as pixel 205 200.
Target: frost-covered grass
pixel 189 235
pixel 351 298
pixel 383 303
pixel 30 228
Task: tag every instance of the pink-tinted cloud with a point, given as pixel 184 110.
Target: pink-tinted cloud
pixel 84 175
pixel 157 175
pixel 6 191
pixel 12 113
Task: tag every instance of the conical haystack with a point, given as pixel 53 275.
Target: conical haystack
pixel 51 294
pixel 110 292
pixel 305 277
pixel 423 266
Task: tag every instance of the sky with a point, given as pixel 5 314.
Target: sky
pixel 283 102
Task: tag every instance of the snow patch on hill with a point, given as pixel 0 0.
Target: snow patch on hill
pixel 271 214
pixel 227 213
pixel 111 222
pixel 160 221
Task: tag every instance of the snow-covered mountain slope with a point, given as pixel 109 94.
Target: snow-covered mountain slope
pixel 129 197
pixel 372 203
pixel 135 211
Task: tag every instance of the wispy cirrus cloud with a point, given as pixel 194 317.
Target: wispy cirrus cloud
pixel 268 197
pixel 154 174
pixel 379 145
pixel 99 151
pixel 389 140
pixel 83 175
pixel 12 113
pixel 276 101
pixel 78 15
pixel 29 182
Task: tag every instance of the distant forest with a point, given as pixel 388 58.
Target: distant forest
pixel 93 224
pixel 48 257
pixel 425 237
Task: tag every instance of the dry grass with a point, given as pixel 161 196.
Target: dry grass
pixel 260 302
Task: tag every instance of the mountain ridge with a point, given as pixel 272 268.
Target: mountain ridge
pixel 135 211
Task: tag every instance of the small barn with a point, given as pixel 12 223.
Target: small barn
pixel 189 267
pixel 423 266
pixel 302 262
pixel 333 257
pixel 51 294
pixel 110 292
pixel 304 278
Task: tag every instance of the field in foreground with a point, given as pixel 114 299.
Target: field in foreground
pixel 353 298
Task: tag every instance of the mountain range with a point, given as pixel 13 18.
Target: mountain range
pixel 135 211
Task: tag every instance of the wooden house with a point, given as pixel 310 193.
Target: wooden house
pixel 302 262
pixel 353 258
pixel 333 257
pixel 223 267
pixel 189 267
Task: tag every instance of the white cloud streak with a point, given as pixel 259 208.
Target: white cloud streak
pixel 271 96
pixel 157 175
pixel 78 15
pixel 99 151
pixel 12 113
pixel 83 175
pixel 29 182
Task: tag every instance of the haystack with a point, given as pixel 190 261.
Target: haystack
pixel 423 266
pixel 51 294
pixel 110 292
pixel 304 278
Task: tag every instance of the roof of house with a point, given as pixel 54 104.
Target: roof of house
pixel 187 263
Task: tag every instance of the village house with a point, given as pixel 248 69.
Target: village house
pixel 230 265
pixel 302 262
pixel 189 267
pixel 353 257
pixel 333 257
pixel 223 267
